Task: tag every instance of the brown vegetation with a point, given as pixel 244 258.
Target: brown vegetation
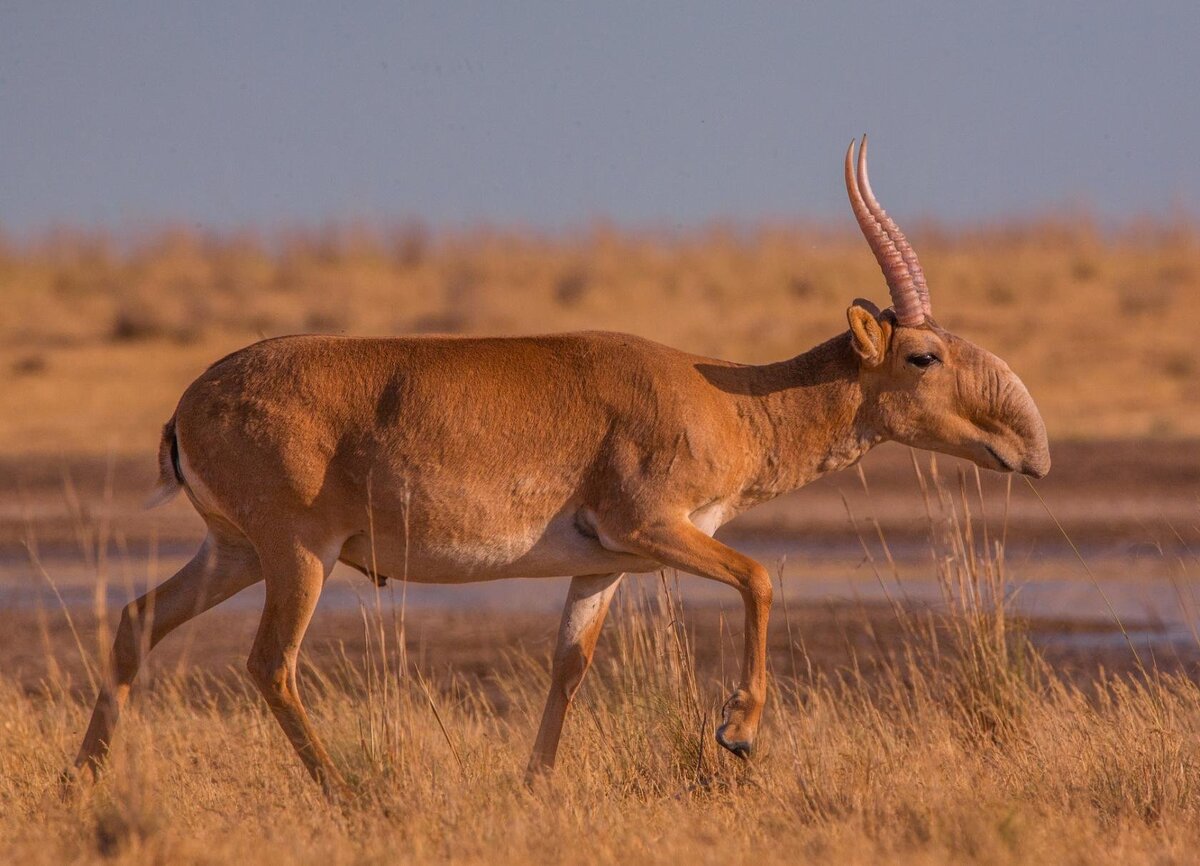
pixel 892 734
pixel 99 336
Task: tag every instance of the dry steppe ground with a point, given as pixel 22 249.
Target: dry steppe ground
pixel 891 735
pixel 947 732
pixel 98 336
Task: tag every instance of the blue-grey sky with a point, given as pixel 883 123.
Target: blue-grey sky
pixel 553 113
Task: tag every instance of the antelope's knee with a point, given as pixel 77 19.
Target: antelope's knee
pixel 269 673
pixel 127 644
pixel 758 587
pixel 569 669
pixel 131 616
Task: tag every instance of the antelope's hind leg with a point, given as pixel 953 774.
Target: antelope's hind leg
pixel 224 565
pixel 294 576
pixel 681 545
pixel 583 618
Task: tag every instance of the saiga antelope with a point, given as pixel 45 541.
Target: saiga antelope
pixel 448 460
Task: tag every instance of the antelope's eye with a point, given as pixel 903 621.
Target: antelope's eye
pixel 923 361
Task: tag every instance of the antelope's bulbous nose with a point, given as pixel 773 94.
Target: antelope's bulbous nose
pixel 1035 460
pixel 1028 424
pixel 1037 465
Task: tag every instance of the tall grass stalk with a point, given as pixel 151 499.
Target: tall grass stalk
pixel 963 745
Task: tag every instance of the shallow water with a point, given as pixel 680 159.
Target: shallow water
pixel 1153 608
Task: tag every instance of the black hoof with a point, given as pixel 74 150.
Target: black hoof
pixel 70 783
pixel 741 748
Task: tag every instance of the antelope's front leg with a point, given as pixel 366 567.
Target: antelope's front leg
pixel 681 545
pixel 583 617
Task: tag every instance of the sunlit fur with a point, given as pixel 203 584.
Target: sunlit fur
pixel 445 459
pixel 964 404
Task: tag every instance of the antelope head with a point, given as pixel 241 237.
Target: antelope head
pixel 925 386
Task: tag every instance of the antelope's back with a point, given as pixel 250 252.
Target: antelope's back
pixel 328 425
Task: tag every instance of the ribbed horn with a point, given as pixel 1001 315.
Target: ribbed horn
pixel 905 299
pixel 889 225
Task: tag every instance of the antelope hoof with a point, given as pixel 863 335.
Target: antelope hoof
pixel 737 731
pixel 68 784
pixel 537 772
pixel 743 748
pixel 73 779
pixel 338 793
pixel 83 772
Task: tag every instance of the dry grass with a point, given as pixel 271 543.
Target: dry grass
pixel 956 741
pixel 957 744
pixel 99 336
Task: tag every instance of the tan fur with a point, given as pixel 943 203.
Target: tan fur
pixel 446 460
pixel 441 459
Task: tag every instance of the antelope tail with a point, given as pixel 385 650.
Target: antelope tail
pixel 170 480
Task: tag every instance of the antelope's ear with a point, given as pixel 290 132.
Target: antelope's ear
pixel 870 332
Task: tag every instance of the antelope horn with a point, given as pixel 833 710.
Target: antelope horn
pixel 889 225
pixel 906 301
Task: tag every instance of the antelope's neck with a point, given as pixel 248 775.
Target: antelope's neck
pixel 809 418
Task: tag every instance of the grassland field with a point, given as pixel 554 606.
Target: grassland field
pixel 1006 675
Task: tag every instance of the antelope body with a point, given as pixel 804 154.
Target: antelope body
pixel 446 460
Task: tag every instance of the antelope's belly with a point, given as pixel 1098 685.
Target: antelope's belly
pixel 463 555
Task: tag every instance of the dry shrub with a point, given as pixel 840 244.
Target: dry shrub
pixel 1080 312
pixel 962 746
